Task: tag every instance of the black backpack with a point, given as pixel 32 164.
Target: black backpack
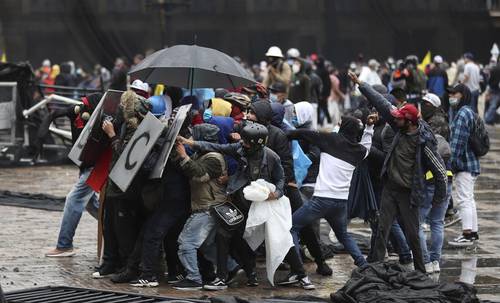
pixel 479 139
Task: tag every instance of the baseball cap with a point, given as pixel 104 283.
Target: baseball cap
pixel 408 112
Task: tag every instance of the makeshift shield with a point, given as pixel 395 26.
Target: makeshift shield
pixel 92 140
pixel 172 133
pixel 136 151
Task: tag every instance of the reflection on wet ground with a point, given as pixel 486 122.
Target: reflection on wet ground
pixel 27 233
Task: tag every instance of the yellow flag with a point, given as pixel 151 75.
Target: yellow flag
pixel 425 61
pixel 4 57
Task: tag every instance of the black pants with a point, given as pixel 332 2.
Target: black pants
pixel 232 242
pixel 323 108
pixel 123 218
pixel 308 236
pixel 171 248
pixel 396 202
pixel 155 229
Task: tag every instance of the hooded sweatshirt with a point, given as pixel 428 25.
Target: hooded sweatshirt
pixel 340 154
pixel 277 141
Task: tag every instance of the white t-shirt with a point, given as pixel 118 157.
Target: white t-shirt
pixel 471 70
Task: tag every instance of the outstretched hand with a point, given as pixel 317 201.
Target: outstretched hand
pixel 185 141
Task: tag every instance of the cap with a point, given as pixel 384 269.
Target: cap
pixel 408 112
pixel 274 51
pixel 432 99
pixel 458 88
pixel 278 87
pixel 293 53
pixel 138 84
pixel 438 59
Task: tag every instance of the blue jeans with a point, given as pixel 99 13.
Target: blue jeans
pixel 398 240
pixel 434 214
pixel 199 233
pixel 491 113
pixel 75 204
pixel 335 213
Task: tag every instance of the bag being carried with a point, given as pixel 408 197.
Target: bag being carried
pixel 228 215
pixel 479 139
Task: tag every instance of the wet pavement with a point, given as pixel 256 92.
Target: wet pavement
pixel 26 234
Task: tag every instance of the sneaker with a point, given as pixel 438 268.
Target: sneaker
pixel 104 271
pixel 323 269
pixel 233 274
pixel 452 219
pixel 306 283
pixel 252 280
pixel 172 279
pixel 475 236
pixel 187 284
pixel 429 268
pixel 462 241
pixel 435 266
pixel 60 252
pixel 408 267
pixel 125 276
pixel 145 282
pixel 289 280
pixel 217 284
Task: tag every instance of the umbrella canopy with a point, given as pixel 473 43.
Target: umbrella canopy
pixel 192 66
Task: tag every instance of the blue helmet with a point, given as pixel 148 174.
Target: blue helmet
pixel 159 105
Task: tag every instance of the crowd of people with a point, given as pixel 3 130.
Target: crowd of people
pixel 408 130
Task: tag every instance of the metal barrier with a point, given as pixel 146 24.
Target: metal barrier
pixel 8 112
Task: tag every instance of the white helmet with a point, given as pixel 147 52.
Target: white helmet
pixel 138 84
pixel 274 51
pixel 293 53
pixel 432 99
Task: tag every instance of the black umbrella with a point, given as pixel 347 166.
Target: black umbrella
pixel 192 66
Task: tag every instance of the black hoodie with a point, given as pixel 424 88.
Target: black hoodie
pixel 277 141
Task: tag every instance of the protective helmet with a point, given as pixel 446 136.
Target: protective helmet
pixel 255 135
pixel 293 53
pixel 241 100
pixel 411 60
pixel 274 51
pixel 158 105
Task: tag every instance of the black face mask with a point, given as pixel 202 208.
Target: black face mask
pixel 351 128
pixel 428 111
pixel 252 151
pixel 405 127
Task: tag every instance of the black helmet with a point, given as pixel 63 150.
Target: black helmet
pixel 255 135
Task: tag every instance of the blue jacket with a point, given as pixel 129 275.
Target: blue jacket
pixel 427 157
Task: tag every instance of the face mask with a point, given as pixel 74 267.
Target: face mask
pixel 290 62
pixel 273 98
pixel 295 121
pixel 295 68
pixel 207 115
pixel 428 111
pixel 252 150
pixel 454 102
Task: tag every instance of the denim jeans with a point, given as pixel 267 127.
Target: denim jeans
pixel 197 229
pixel 335 213
pixel 491 113
pixel 75 204
pixel 434 215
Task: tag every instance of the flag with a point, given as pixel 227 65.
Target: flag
pixel 4 57
pixel 425 61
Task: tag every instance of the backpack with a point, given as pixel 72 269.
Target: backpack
pixel 479 139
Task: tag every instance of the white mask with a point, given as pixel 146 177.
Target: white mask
pixel 296 68
pixel 454 102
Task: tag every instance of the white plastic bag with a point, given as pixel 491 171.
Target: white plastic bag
pixel 268 221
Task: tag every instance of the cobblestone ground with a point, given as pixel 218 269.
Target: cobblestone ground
pixel 26 234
